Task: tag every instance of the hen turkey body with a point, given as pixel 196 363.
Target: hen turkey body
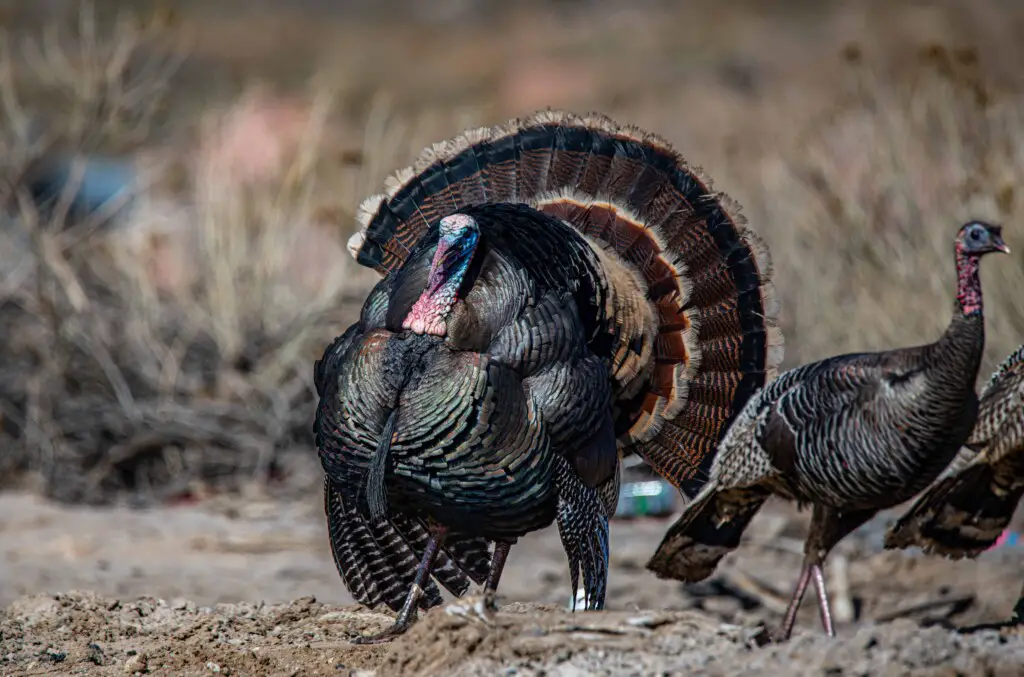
pixel 851 435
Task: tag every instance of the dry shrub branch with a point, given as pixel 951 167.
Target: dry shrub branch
pixel 860 204
pixel 114 384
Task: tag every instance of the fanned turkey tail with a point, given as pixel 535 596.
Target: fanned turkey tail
pixel 688 284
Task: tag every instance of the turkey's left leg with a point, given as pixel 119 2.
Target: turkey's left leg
pixel 407 615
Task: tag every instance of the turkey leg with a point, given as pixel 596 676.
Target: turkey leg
pixel 828 527
pixel 407 615
pixel 1018 610
pixel 489 601
pixel 480 606
pixel 501 549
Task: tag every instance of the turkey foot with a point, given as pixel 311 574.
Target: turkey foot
pixel 479 607
pixel 482 606
pixel 404 621
pixel 407 616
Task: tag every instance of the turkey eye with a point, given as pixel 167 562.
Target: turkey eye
pixel 975 234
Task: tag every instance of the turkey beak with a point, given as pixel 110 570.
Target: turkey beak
pixel 1000 246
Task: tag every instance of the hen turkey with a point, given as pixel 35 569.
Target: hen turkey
pixel 851 435
pixel 971 504
pixel 557 292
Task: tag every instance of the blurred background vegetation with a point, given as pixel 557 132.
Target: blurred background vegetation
pixel 178 180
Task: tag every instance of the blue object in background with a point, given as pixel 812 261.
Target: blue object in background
pixel 646 498
pixel 101 181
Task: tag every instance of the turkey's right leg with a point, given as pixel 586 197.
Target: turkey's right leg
pixel 501 549
pixel 407 615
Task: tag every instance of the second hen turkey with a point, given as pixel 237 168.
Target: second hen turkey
pixel 557 292
pixel 851 435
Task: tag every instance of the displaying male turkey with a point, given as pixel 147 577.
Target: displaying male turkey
pixel 554 288
pixel 971 504
pixel 851 435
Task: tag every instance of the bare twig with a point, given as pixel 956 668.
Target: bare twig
pixel 957 605
pixel 839 573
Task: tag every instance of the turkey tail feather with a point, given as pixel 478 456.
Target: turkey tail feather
pixel 961 515
pixel 709 529
pixel 700 337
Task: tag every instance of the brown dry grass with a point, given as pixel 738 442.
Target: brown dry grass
pixel 856 135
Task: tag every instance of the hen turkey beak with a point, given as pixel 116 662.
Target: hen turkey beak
pixel 1001 246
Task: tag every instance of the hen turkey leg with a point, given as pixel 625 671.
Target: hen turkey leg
pixel 407 616
pixel 827 528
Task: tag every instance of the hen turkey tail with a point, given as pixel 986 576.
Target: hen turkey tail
pixel 963 514
pixel 691 550
pixel 688 284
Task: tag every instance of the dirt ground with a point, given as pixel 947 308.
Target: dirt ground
pixel 247 587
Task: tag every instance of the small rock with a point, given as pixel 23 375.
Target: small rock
pixel 648 621
pixel 137 663
pixel 96 654
pixel 54 655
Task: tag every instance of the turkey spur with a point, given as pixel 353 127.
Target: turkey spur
pixel 849 435
pixel 556 293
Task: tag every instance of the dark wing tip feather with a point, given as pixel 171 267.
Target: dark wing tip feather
pixel 373 559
